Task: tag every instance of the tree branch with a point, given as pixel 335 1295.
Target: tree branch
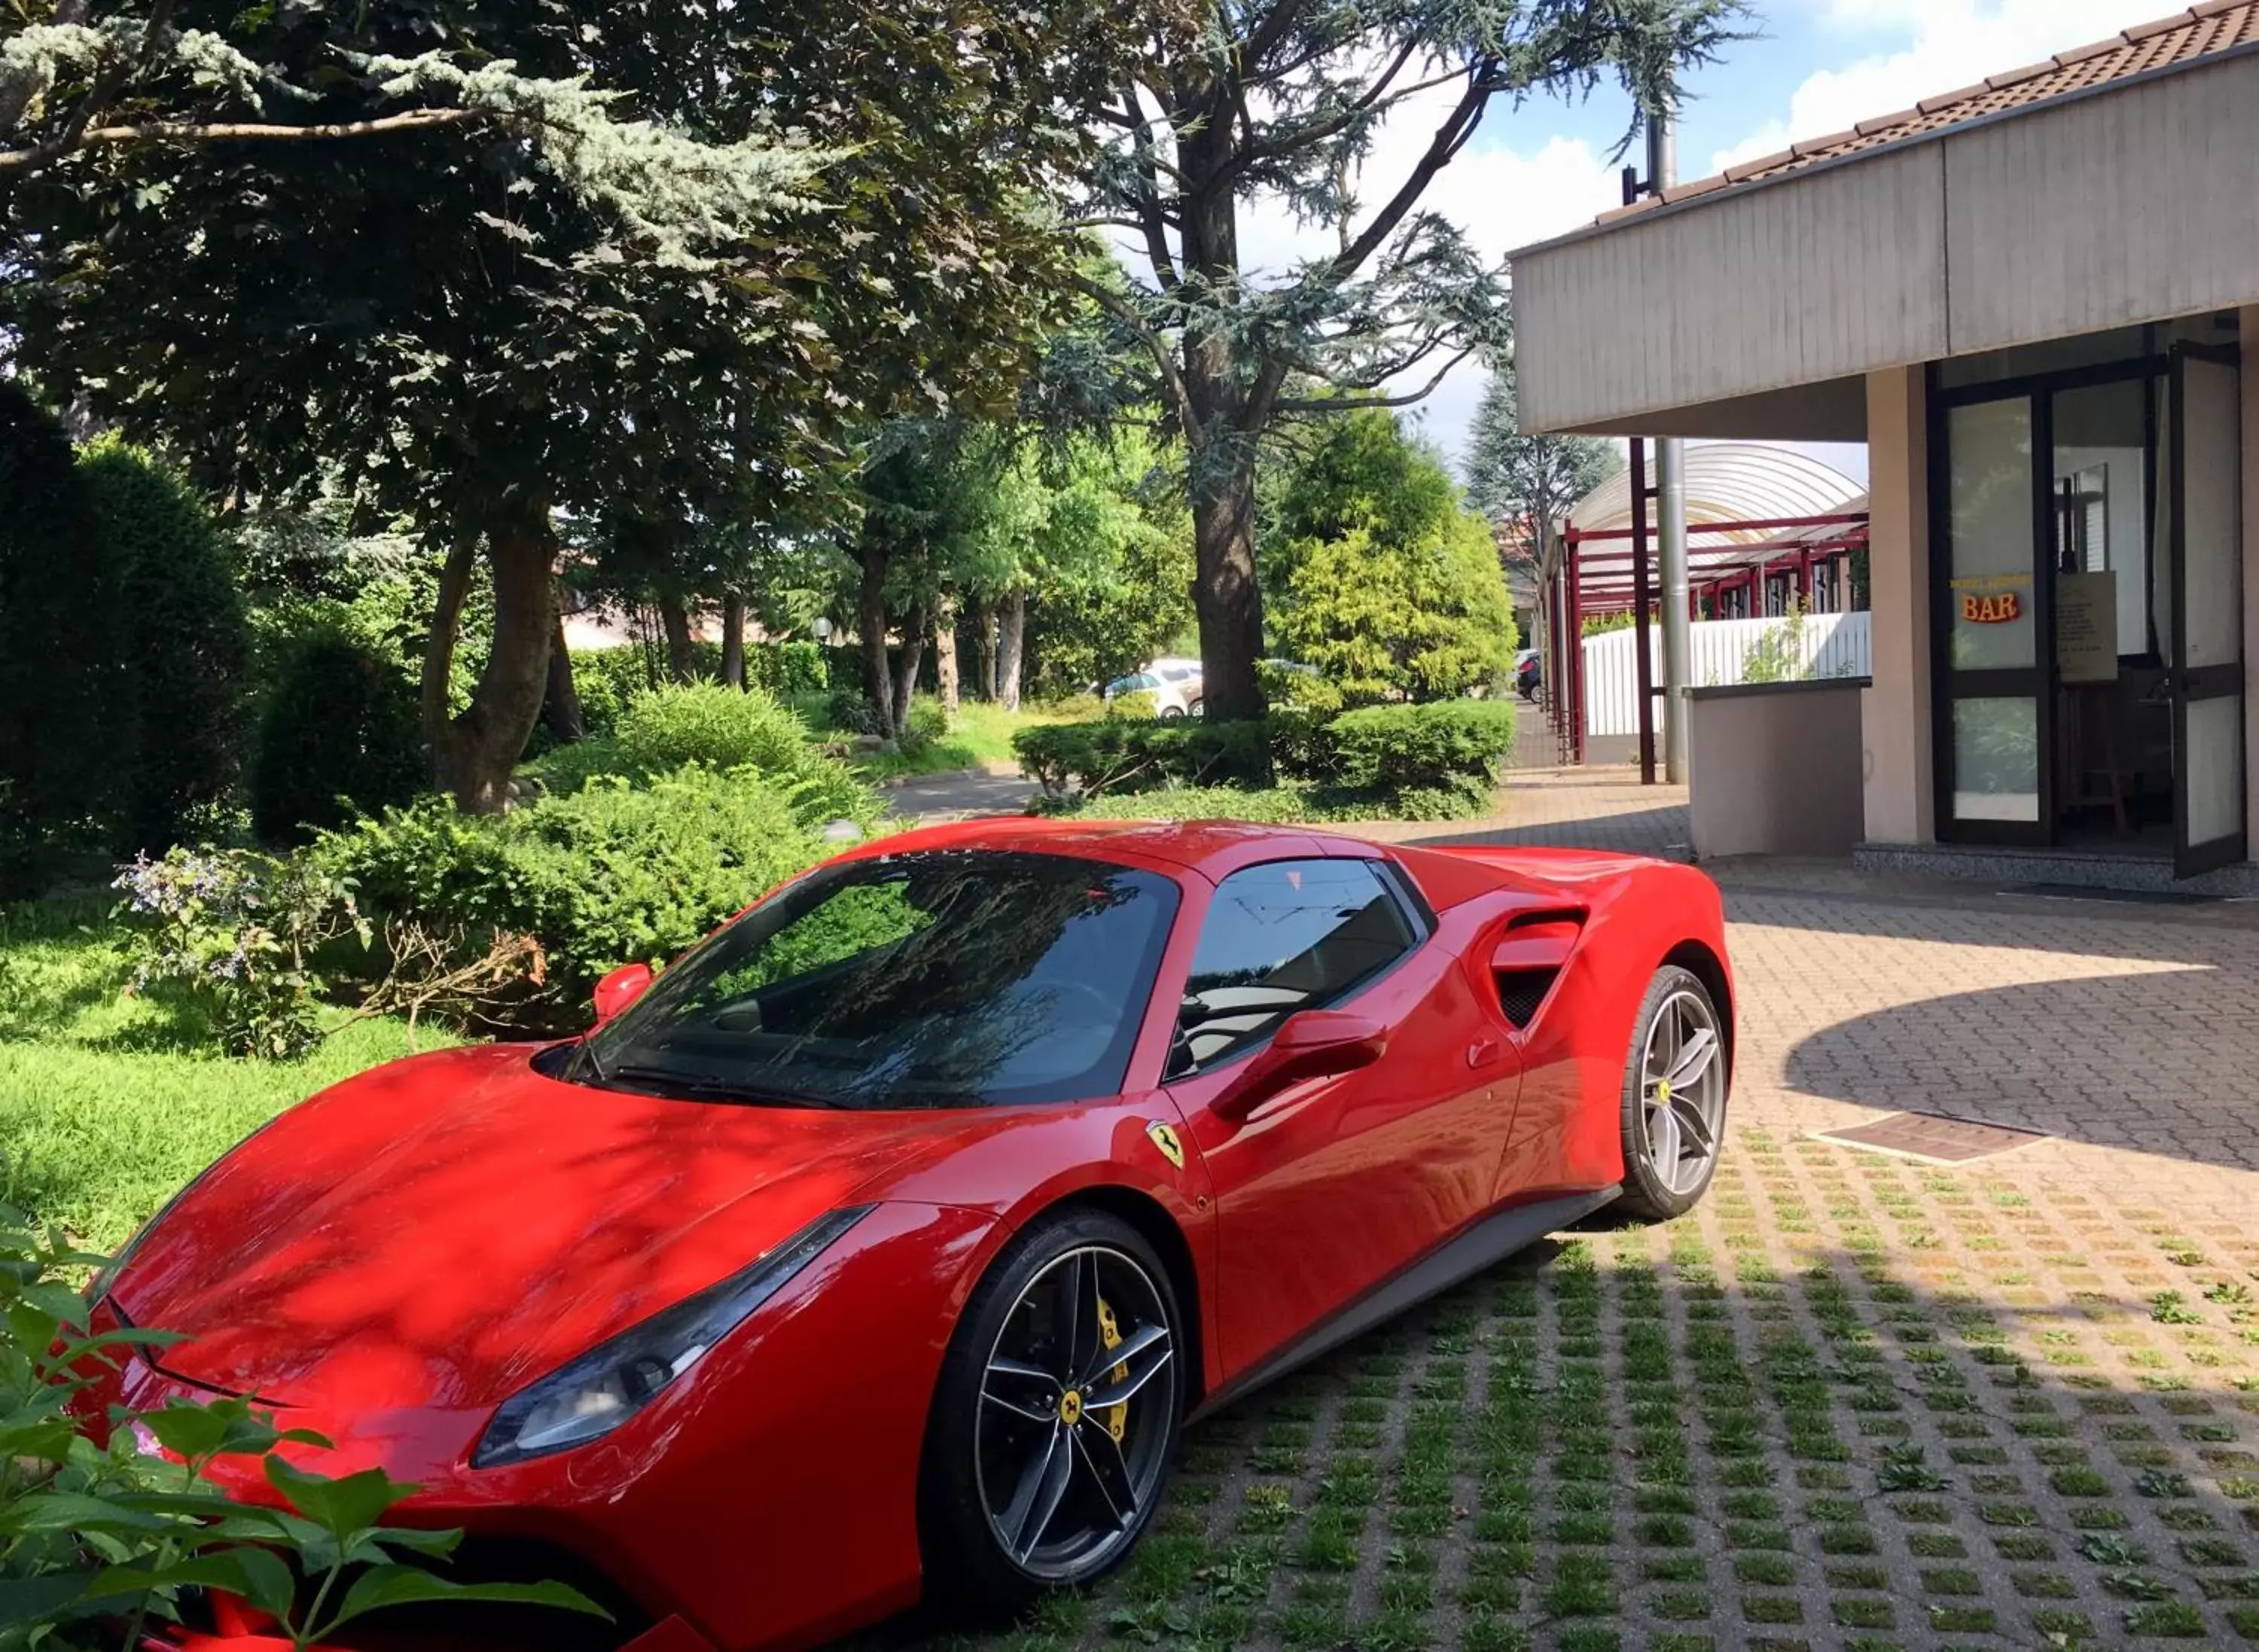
pixel 1465 116
pixel 191 131
pixel 1348 404
pixel 1172 377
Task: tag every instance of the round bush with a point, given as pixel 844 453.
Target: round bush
pixel 184 639
pixel 615 873
pixel 339 735
pixel 707 723
pixel 729 729
pixel 64 750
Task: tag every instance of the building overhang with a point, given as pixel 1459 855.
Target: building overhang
pixel 1755 307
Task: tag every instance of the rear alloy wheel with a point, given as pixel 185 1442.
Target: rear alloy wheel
pixel 1674 1097
pixel 1198 709
pixel 1056 1417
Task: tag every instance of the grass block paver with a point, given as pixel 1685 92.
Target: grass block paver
pixel 1850 1401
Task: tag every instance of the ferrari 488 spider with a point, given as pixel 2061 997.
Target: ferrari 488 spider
pixel 884 1242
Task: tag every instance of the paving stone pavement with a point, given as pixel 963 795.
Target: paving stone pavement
pixel 1850 1401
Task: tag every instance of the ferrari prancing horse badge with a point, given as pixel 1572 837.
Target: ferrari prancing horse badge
pixel 1165 1139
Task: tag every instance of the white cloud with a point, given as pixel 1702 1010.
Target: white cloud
pixel 1950 44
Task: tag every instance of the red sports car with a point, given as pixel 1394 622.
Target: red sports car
pixel 884 1244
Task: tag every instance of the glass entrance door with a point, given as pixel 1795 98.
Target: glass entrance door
pixel 2205 665
pixel 1995 715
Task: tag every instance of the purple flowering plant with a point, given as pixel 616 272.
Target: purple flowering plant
pixel 239 934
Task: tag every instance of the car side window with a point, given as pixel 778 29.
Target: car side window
pixel 1288 935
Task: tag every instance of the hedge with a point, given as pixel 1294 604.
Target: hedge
pixel 1441 757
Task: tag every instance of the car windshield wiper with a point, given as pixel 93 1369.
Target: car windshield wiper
pixel 670 1081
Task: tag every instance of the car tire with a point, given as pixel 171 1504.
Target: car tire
pixel 1168 712
pixel 1198 709
pixel 986 1462
pixel 1675 1085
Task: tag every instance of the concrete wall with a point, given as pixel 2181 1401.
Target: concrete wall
pixel 1775 769
pixel 2138 204
pixel 1896 744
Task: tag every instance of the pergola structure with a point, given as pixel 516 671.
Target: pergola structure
pixel 1768 528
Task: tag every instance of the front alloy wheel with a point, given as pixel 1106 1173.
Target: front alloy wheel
pixel 1056 1417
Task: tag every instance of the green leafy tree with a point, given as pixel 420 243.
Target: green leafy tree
pixel 1089 548
pixel 182 644
pixel 454 325
pixel 929 497
pixel 1529 483
pixel 64 746
pixel 1393 590
pixel 1283 98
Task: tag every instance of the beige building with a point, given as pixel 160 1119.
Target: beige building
pixel 2027 298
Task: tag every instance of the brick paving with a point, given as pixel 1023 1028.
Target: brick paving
pixel 1851 1401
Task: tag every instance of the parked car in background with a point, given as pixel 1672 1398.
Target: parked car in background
pixel 1528 674
pixel 1174 684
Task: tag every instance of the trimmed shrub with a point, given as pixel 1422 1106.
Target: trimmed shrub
pixel 185 641
pixel 1440 759
pixel 1272 806
pixel 728 729
pixel 1452 747
pixel 339 735
pixel 65 751
pixel 1121 754
pixel 613 874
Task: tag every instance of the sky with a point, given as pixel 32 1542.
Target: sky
pixel 1816 66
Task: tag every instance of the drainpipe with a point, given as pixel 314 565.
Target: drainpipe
pixel 1671 510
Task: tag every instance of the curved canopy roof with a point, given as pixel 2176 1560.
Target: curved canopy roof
pixel 1726 482
pixel 1733 481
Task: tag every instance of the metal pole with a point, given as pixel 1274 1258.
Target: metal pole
pixel 1643 665
pixel 1670 512
pixel 1574 641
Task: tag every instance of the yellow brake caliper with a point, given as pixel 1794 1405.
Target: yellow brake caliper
pixel 1117 1417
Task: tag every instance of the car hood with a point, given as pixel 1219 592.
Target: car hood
pixel 443 1230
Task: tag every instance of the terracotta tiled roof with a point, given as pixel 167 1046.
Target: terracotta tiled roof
pixel 2173 42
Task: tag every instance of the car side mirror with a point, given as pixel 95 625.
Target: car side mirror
pixel 1318 1043
pixel 620 988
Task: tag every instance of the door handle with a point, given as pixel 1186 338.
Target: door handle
pixel 1485 1050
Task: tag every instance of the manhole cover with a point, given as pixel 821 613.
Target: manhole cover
pixel 1933 1137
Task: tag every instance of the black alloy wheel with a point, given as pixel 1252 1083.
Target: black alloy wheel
pixel 1056 1419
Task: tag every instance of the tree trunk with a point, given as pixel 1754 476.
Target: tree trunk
pixel 871 624
pixel 945 652
pixel 473 754
pixel 675 620
pixel 1225 593
pixel 440 647
pixel 1012 631
pixel 733 640
pixel 560 706
pixel 1223 428
pixel 906 669
pixel 983 650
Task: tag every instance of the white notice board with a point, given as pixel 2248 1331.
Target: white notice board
pixel 2086 626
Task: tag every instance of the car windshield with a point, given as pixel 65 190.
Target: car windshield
pixel 961 977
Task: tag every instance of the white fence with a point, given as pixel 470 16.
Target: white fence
pixel 1833 645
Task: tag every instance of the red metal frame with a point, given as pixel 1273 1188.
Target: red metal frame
pixel 1583 583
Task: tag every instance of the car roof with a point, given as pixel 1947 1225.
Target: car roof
pixel 1208 847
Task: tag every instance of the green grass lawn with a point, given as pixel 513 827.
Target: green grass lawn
pixel 982 734
pixel 108 1103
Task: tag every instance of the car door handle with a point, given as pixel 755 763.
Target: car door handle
pixel 1485 1050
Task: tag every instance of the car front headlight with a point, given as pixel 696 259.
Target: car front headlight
pixel 611 1382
